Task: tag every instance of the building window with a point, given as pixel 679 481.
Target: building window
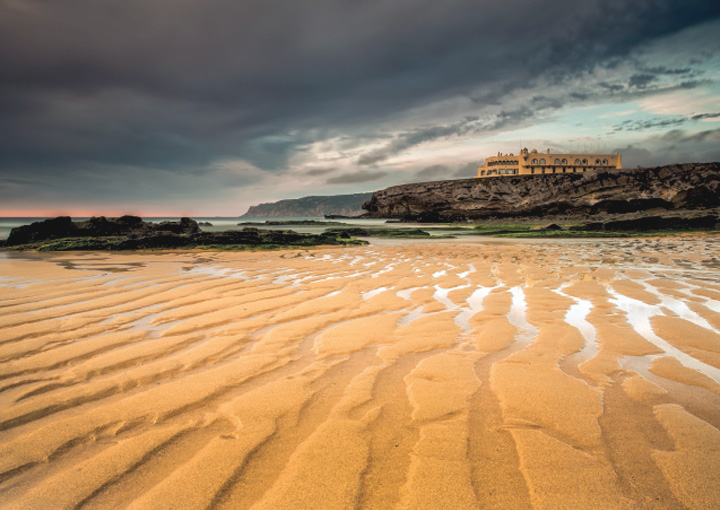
pixel 534 161
pixel 557 161
pixel 577 161
pixel 597 161
pixel 542 161
pixel 564 161
pixel 605 161
pixel 584 161
pixel 482 172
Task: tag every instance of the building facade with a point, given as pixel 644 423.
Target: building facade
pixel 533 162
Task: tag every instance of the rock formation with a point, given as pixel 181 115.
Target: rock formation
pixel 132 233
pixel 97 226
pixel 688 188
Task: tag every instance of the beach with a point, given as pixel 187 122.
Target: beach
pixel 544 374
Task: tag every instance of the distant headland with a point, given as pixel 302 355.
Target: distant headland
pixel 312 206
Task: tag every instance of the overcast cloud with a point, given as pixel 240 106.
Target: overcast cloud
pixel 207 107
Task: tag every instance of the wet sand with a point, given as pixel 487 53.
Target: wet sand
pixel 543 374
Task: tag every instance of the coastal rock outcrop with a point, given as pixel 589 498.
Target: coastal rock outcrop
pixel 132 233
pixel 646 223
pixel 97 226
pixel 686 187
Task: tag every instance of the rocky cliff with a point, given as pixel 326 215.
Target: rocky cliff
pixel 345 205
pixel 688 187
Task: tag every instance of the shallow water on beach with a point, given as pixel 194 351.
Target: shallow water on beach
pixel 510 374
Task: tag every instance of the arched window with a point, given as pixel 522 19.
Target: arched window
pixel 542 161
pixel 557 161
pixel 597 161
pixel 584 161
pixel 482 172
pixel 605 161
pixel 564 161
pixel 577 161
pixel 534 161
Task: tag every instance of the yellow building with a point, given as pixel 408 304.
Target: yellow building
pixel 534 162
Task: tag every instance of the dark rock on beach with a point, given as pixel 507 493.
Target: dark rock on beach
pixel 132 233
pixel 97 226
pixel 53 228
pixel 654 223
pixel 552 227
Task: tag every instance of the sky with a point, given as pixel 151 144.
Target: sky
pixel 204 108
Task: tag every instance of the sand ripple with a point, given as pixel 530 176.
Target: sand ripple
pixel 500 375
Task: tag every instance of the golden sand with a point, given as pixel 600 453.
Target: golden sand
pixel 544 374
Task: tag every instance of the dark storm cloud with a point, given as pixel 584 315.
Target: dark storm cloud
pixel 634 125
pixel 681 137
pixel 319 171
pixel 357 178
pixel 468 170
pixel 415 137
pixel 675 146
pixel 668 122
pixel 637 156
pixel 91 86
pixel 433 172
pixel 641 81
pixel 663 70
pixel 442 172
pixel 701 116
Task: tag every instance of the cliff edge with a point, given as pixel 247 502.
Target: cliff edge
pixel 685 187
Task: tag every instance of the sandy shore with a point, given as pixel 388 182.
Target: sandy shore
pixel 544 374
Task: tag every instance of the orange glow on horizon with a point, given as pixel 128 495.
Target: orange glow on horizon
pixel 85 213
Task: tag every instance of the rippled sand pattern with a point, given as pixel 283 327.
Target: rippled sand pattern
pixel 493 375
